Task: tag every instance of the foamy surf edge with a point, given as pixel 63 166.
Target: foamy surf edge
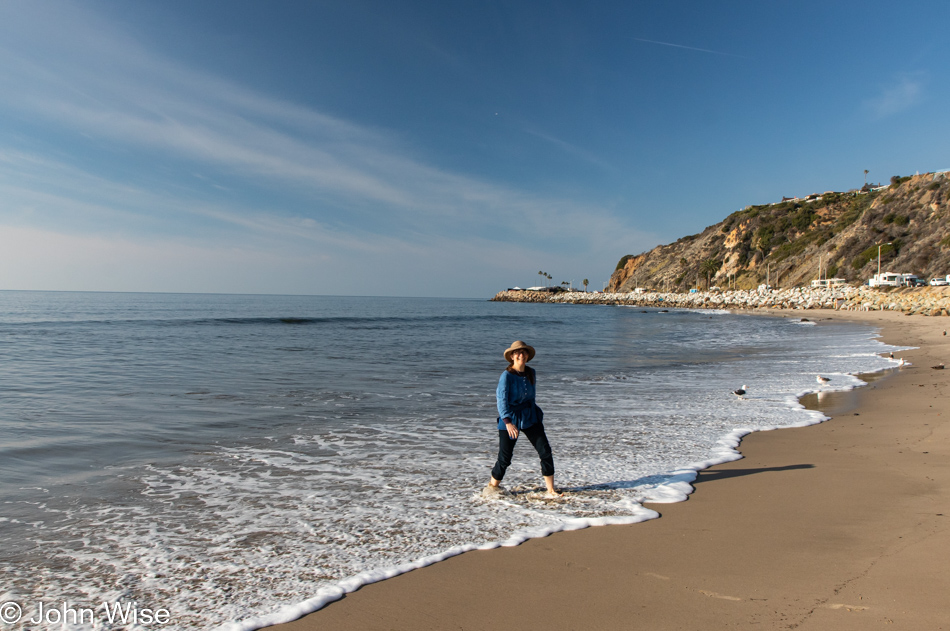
pixel 676 486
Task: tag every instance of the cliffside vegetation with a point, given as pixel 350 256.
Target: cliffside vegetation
pixel 785 242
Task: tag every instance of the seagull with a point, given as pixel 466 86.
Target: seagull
pixel 822 380
pixel 740 391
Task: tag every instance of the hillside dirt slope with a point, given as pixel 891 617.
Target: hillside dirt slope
pixel 784 243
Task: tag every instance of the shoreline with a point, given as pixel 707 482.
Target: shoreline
pixel 462 592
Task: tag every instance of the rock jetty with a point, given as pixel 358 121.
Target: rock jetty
pixel 931 301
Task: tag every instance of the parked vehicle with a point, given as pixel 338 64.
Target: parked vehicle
pixel 886 279
pixel 939 281
pixel 828 282
pixel 890 279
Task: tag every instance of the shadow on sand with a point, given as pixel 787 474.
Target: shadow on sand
pixel 711 475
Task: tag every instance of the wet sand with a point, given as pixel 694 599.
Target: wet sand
pixel 843 525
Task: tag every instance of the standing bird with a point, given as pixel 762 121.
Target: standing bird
pixel 822 380
pixel 740 392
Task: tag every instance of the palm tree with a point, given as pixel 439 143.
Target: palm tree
pixel 585 285
pixel 866 177
pixel 540 274
pixel 709 267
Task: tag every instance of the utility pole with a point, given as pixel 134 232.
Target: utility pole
pixel 879 258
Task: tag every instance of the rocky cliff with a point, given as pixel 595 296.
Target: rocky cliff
pixel 786 242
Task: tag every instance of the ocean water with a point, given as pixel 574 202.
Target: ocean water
pixel 240 460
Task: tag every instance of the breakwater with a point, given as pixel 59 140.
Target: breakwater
pixel 931 301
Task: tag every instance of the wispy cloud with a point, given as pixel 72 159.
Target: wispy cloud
pixel 571 149
pixel 220 161
pixel 701 50
pixel 158 108
pixel 900 94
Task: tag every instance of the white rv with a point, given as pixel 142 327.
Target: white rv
pixel 828 282
pixel 886 279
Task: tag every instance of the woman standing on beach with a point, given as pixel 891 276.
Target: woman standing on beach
pixel 517 412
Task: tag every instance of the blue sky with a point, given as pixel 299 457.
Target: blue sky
pixel 433 148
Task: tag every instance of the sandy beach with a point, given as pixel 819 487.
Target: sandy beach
pixel 842 525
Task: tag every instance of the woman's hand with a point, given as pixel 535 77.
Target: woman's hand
pixel 512 430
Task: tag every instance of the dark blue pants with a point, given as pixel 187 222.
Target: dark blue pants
pixel 506 447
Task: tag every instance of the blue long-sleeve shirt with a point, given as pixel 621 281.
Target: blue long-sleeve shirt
pixel 515 399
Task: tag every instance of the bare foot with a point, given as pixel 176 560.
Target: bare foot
pixel 492 491
pixel 553 494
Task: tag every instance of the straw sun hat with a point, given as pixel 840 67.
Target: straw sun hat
pixel 518 345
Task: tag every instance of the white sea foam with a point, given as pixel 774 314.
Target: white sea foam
pixel 670 487
pixel 344 487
